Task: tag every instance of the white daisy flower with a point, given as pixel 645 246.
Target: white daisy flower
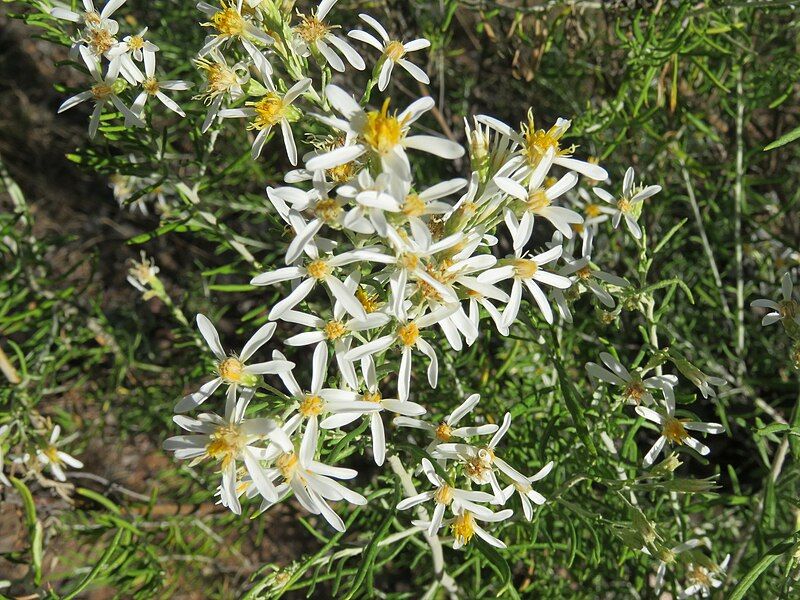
pixel 465 527
pixel 445 495
pixel 407 335
pixel 527 494
pixel 273 108
pixel 152 87
pixel 674 430
pixel 314 482
pixel 230 439
pixel 317 270
pixel 533 144
pixel 319 400
pixel 136 46
pixel 528 272
pixel 343 416
pixel 380 133
pixel 373 197
pixel 53 458
pixel 316 35
pixel 392 52
pixel 627 205
pixel 538 199
pixel 221 81
pixel 101 93
pixel 99 30
pixel 231 368
pixel 786 310
pixel 446 430
pixel 667 556
pixel 701 579
pixel 635 389
pixel 480 463
pixel 231 24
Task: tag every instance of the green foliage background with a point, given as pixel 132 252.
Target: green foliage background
pixel 688 93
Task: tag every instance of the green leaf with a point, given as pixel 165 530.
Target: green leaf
pixel 34 527
pixel 783 140
pixel 753 574
pixel 499 565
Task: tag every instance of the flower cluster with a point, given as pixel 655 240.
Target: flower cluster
pixel 119 68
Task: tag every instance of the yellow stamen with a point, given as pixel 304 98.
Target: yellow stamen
pixel 328 210
pixel 593 210
pixel 444 495
pixel 287 465
pixel 334 330
pixel 674 431
pixel 231 370
pixel 373 397
pixel 228 21
pixel 414 206
pixel 100 40
pixel 635 391
pixel 311 406
pixel 136 42
pixel 226 443
pixel 394 51
pixel 382 131
pixel 408 333
pixel 311 29
pixel 537 200
pixel 463 527
pixel 368 301
pixel 150 85
pixel 270 109
pixel 102 91
pixel 318 269
pixel 443 432
pixel 525 268
pixel 219 77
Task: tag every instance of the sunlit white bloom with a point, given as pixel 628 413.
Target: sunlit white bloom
pixel 221 81
pixel 527 494
pixel 99 30
pixel 533 145
pixel 143 273
pixel 786 310
pixel 313 34
pixel 407 335
pixel 313 482
pixel 232 369
pixel 319 400
pixel 667 556
pixel 271 109
pixel 674 430
pixel 53 458
pixel 585 275
pixel 152 87
pixel 374 197
pixel 317 270
pixel 136 46
pixel 537 199
pixel 231 24
pixel 379 133
pixel 101 93
pixel 627 205
pixel 635 389
pixel 528 272
pixel 445 495
pixel 343 415
pixel 464 527
pixel 701 579
pixel 446 431
pixel 480 463
pixel 392 52
pixel 230 439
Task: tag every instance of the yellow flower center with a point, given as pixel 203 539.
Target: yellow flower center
pixel 394 51
pixel 334 330
pixel 226 443
pixel 318 269
pixel 342 173
pixel 593 210
pixel 100 40
pixel 674 431
pixel 585 272
pixel 408 333
pixel 463 527
pixel 444 495
pixel 382 131
pixel 624 205
pixel 231 369
pixel 328 210
pixel 537 200
pixel 136 42
pixel 102 91
pixel 525 268
pixel 150 85
pixel 408 261
pixel 634 391
pixel 220 78
pixel 443 432
pixel 311 29
pixel 414 206
pixel 577 227
pixel 373 397
pixel 698 575
pixel 142 272
pixel 476 468
pixel 270 109
pixel 287 465
pixel 368 301
pixel 228 21
pixel 311 406
pixel 536 142
pixel 51 452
